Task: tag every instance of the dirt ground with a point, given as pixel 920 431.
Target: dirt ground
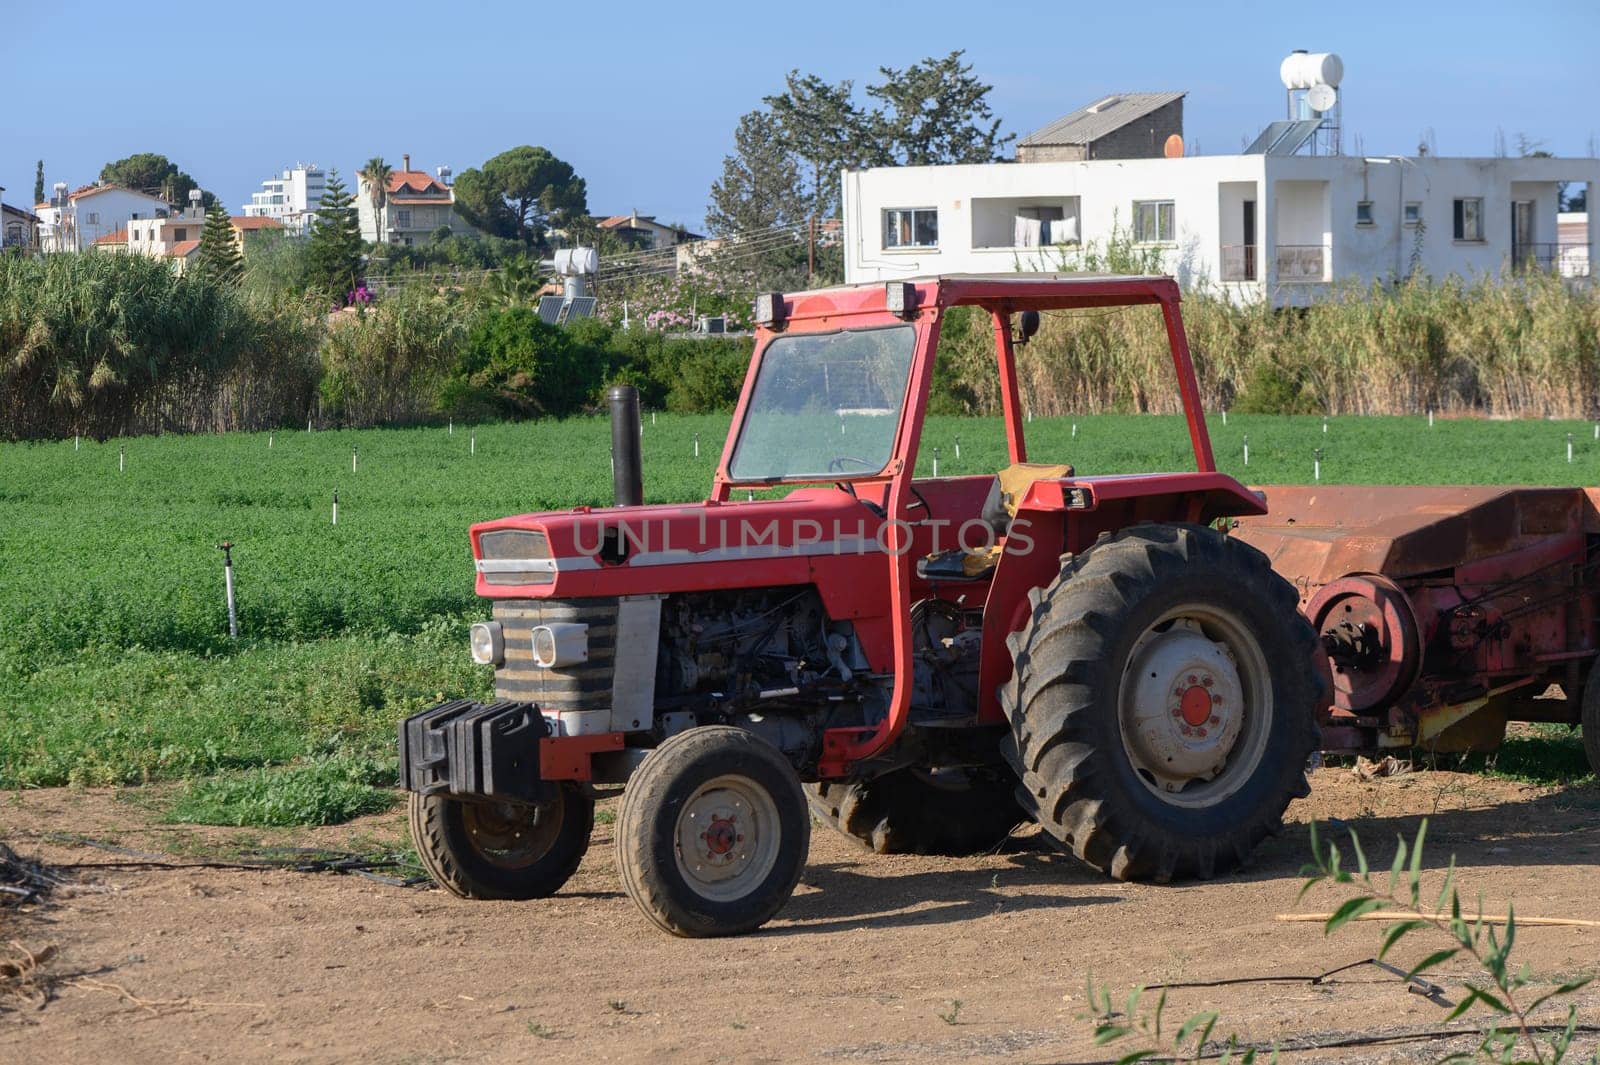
pixel 876 959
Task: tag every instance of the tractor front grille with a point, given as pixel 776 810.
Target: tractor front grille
pixel 584 686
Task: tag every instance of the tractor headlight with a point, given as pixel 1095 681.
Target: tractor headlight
pixel 560 644
pixel 488 643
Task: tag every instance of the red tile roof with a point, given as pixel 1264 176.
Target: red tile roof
pixel 183 249
pixel 628 219
pixel 118 237
pixel 241 221
pixel 415 181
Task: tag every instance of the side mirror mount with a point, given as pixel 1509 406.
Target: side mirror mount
pixel 1027 327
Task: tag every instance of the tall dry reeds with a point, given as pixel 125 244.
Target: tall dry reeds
pixel 1527 346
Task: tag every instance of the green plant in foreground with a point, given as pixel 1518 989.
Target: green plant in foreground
pixel 1499 986
pixel 1512 1038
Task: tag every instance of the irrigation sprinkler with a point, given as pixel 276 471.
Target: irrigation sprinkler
pixel 450 430
pixel 336 506
pixel 226 547
pixel 1430 417
pixel 269 441
pixel 1030 415
pixel 1224 417
pixel 1569 447
pixel 472 442
pixel 1247 449
pixel 308 423
pixel 936 462
pixel 697 445
pixel 652 417
pixel 1597 430
pixel 1316 464
pixel 75 437
pixel 1074 430
pixel 353 459
pixel 749 495
pixel 1324 425
pixel 958 445
pixel 122 456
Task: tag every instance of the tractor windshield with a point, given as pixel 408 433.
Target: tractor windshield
pixel 825 405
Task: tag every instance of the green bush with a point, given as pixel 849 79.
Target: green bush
pixel 515 366
pixel 327 791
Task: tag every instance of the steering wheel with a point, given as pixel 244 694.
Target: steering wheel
pixel 836 465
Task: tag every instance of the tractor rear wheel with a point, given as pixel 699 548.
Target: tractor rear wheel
pixel 502 850
pixel 1162 703
pixel 713 833
pixel 913 811
pixel 1590 722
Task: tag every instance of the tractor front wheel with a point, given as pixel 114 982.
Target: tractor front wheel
pixel 713 833
pixel 502 850
pixel 1163 703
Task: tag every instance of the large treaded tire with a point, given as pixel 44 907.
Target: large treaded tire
pixel 442 829
pixel 1065 705
pixel 1590 721
pixel 904 813
pixel 705 771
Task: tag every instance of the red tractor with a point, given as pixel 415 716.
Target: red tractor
pixel 927 662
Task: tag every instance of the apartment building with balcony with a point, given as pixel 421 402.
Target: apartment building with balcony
pixel 1283 221
pixel 290 197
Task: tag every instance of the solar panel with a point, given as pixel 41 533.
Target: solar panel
pixel 1268 136
pixel 578 307
pixel 550 309
pixel 1284 137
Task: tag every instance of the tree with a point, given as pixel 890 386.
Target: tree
pixel 377 172
pixel 155 175
pixel 822 126
pixel 334 251
pixel 938 113
pixel 38 182
pixel 521 194
pixel 760 187
pixel 219 257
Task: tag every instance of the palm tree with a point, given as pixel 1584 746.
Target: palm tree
pixel 377 174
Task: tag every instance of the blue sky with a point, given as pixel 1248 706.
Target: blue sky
pixel 642 98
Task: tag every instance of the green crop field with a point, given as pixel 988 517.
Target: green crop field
pixel 116 666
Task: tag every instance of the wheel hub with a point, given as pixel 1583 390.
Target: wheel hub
pixel 1187 707
pixel 727 837
pixel 512 835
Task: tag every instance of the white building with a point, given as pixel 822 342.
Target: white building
pixel 1253 226
pixel 73 221
pixel 291 198
pixel 415 204
pixel 1272 224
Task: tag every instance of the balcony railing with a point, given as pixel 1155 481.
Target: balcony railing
pixel 1567 258
pixel 1239 262
pixel 1302 263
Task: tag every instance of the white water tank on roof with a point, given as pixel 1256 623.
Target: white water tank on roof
pixel 1302 70
pixel 572 262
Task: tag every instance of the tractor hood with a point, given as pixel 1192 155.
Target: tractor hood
pixel 611 551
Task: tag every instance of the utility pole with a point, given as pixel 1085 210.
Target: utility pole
pixel 811 249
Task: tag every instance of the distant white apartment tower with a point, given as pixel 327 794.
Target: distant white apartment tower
pixel 290 198
pixel 1283 221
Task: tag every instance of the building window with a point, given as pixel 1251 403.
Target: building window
pixel 1154 222
pixel 911 227
pixel 1469 219
pixel 94 218
pixel 1413 215
pixel 1364 213
pixel 402 219
pixel 180 234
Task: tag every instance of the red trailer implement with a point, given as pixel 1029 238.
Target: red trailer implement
pixel 1443 612
pixel 926 661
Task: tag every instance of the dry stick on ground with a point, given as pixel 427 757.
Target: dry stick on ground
pixel 89 983
pixel 1401 915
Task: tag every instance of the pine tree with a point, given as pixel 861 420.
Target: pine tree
pixel 38 182
pixel 333 253
pixel 760 187
pixel 219 257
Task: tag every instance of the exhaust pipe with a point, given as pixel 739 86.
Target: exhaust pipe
pixel 627 468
